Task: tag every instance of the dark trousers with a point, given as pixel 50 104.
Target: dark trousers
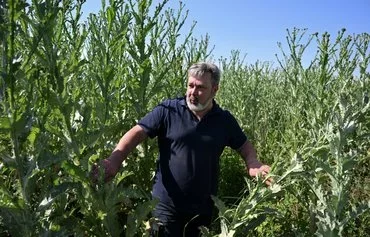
pixel 174 223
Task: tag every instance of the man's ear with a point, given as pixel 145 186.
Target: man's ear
pixel 215 88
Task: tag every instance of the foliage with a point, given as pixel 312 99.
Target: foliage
pixel 69 89
pixel 320 113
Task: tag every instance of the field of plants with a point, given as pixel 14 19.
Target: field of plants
pixel 70 88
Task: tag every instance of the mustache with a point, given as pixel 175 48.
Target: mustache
pixel 193 98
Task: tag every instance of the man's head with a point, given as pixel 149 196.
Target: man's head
pixel 199 69
pixel 203 80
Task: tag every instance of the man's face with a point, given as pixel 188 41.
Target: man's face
pixel 200 92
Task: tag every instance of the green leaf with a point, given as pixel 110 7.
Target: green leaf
pixel 360 209
pixel 225 231
pixel 47 159
pixel 122 176
pixel 7 159
pixel 349 164
pixel 18 221
pixel 4 125
pixel 220 205
pixel 33 134
pixel 75 171
pixel 137 218
pixel 252 224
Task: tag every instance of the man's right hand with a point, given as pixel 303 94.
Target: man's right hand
pixel 112 164
pixel 106 166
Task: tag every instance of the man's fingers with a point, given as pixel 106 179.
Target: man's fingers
pixel 262 171
pixel 265 170
pixel 269 181
pixel 103 170
pixel 94 173
pixel 97 170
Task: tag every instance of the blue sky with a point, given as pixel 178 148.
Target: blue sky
pixel 255 27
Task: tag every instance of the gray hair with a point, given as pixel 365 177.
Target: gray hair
pixel 199 69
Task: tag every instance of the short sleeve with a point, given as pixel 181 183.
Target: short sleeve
pixel 236 135
pixel 153 121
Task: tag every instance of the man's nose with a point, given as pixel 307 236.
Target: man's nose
pixel 194 91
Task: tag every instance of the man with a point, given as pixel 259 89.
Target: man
pixel 192 133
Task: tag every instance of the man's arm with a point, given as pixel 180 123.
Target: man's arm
pixel 254 166
pixel 126 144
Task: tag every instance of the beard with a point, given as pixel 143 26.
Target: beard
pixel 194 105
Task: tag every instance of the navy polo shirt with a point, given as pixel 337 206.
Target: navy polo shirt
pixel 189 151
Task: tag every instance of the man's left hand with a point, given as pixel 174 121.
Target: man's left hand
pixel 263 171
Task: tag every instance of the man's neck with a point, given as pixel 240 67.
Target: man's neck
pixel 201 114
